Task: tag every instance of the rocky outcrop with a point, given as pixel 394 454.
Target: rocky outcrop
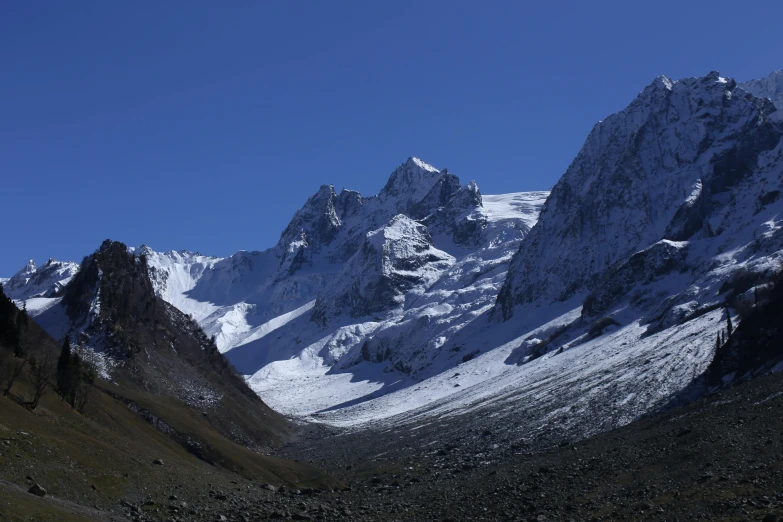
pixel 460 217
pixel 641 268
pixel 441 194
pixel 390 263
pixel 314 225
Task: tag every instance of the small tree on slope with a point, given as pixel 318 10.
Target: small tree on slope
pixel 729 327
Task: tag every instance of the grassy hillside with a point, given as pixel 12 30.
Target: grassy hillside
pixel 108 455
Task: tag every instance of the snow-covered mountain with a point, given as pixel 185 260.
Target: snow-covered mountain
pixel 433 299
pixel 356 285
pixel 234 298
pixel 658 170
pixel 341 299
pixel 663 206
pixel 47 281
pixel 668 219
pixel 770 87
pixel 350 273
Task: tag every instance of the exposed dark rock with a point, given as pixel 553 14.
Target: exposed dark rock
pixel 37 490
pixel 641 268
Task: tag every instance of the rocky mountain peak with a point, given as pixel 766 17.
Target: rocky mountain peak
pixel 143 250
pixel 112 284
pixel 25 272
pixel 473 194
pixel 415 189
pixel 349 203
pixel 21 278
pixel 409 184
pixel 661 82
pixel 644 174
pixel 457 214
pixel 315 224
pixel 29 268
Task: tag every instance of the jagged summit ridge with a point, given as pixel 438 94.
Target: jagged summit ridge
pixel 770 87
pixel 644 174
pixel 333 225
pixel 48 281
pixel 409 184
pixel 348 258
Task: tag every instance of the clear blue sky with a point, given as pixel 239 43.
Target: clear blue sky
pixel 204 125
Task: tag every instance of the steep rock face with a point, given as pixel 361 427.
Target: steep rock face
pixel 770 87
pixel 111 288
pixel 754 347
pixel 653 171
pixel 349 203
pixel 440 195
pixel 462 217
pixel 642 268
pixel 390 263
pixel 47 281
pixel 315 225
pixel 416 184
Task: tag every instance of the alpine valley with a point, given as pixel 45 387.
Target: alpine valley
pixel 432 336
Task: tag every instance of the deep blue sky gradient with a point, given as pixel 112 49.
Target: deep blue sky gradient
pixel 204 125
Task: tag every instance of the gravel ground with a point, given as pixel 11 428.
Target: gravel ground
pixel 720 458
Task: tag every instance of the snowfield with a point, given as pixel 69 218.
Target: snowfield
pixel 612 380
pixel 523 206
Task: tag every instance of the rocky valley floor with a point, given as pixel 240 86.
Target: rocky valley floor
pixel 720 458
